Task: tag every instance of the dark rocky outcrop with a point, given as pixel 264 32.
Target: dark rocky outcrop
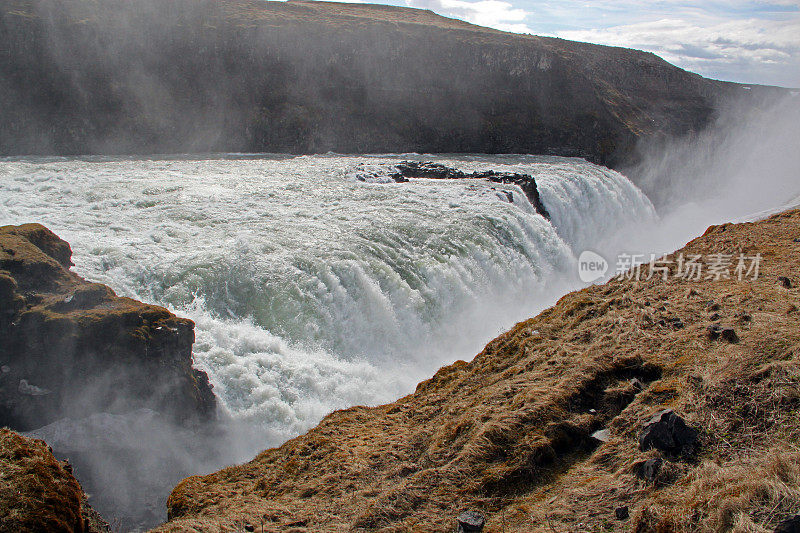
pixel 39 493
pixel 166 76
pixel 71 347
pixel 430 170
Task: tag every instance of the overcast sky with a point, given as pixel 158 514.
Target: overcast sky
pixel 751 41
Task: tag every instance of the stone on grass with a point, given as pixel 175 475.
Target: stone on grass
pixel 470 522
pixel 668 432
pixel 790 525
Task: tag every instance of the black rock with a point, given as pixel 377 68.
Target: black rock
pixel 790 525
pixel 428 169
pixel 668 432
pixel 713 332
pixel 729 335
pixel 249 527
pixel 431 170
pixel 785 282
pixel 648 470
pixel 470 522
pixel 622 513
pixel 716 331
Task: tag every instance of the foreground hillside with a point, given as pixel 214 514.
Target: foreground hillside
pixel 509 434
pixel 39 493
pixel 157 76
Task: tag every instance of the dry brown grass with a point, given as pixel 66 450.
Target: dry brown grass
pixel 747 496
pixel 508 433
pixel 37 492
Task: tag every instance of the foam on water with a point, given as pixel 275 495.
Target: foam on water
pixel 312 290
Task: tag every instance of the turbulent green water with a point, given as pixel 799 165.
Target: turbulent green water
pixel 311 289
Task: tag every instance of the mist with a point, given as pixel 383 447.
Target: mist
pixel 129 462
pixel 746 165
pixel 183 76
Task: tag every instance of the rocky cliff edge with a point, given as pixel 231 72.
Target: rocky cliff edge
pixel 71 348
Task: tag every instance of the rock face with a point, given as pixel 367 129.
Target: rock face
pixel 158 76
pixel 71 347
pixel 39 493
pixel 509 432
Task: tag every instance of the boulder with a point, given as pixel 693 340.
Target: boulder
pixel 470 522
pixel 790 525
pixel 668 433
pixel 785 282
pixel 648 470
pixel 622 513
pixel 716 331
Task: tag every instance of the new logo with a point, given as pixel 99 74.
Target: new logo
pixel 591 266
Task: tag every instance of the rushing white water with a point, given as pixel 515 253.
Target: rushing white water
pixel 312 290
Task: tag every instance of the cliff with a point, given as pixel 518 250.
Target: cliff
pixel 71 348
pixel 159 76
pixel 39 493
pixel 561 424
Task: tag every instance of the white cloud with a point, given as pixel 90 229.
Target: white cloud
pixel 734 48
pixel 752 41
pixel 491 13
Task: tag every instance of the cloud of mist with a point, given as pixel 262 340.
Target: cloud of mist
pixel 744 166
pixel 128 463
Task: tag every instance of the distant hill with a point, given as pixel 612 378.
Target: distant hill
pixel 164 76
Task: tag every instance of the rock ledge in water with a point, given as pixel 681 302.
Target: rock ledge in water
pixel 430 170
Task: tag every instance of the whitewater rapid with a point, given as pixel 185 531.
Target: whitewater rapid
pixel 312 290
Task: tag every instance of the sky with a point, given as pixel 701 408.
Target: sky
pixel 749 41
